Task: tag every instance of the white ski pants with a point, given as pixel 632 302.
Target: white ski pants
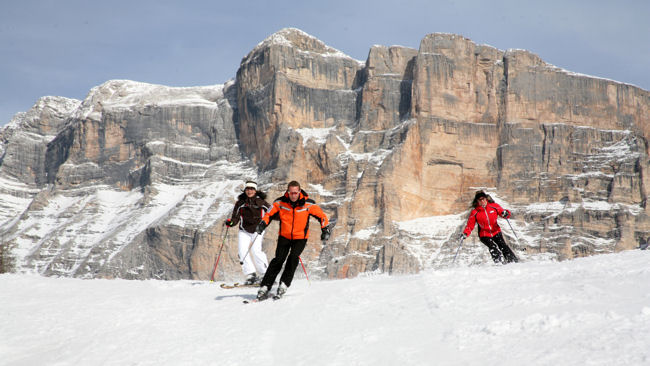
pixel 256 260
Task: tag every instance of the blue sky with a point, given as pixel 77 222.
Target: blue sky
pixel 64 48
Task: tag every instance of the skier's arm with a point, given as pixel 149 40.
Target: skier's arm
pixel 274 209
pixel 501 211
pixel 318 213
pixel 266 206
pixel 266 218
pixel 470 223
pixel 234 217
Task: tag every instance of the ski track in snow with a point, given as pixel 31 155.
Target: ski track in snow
pixel 592 311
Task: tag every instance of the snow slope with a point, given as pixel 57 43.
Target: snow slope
pixel 590 311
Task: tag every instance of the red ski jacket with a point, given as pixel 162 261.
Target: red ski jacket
pixel 486 219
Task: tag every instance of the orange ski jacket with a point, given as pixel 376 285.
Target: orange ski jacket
pixel 294 216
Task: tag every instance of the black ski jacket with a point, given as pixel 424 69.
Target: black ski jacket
pixel 248 212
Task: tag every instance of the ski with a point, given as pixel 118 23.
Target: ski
pixel 274 297
pixel 255 300
pixel 236 285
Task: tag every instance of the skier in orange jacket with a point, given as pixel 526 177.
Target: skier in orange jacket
pixel 294 209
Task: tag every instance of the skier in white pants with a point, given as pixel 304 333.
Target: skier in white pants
pixel 248 212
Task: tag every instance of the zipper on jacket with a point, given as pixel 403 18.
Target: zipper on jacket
pixel 487 217
pixel 293 220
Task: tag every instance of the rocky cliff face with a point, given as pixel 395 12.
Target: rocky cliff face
pixel 25 139
pixel 135 180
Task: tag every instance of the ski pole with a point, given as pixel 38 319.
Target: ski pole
pixel 305 270
pixel 514 232
pixel 331 252
pixel 458 251
pixel 219 256
pixel 330 228
pixel 249 248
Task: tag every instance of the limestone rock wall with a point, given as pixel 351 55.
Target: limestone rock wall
pixel 392 149
pixel 24 141
pixel 111 143
pixel 457 79
pixel 437 123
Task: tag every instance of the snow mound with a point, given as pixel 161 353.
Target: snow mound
pixel 588 311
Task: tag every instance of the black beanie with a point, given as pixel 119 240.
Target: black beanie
pixel 480 194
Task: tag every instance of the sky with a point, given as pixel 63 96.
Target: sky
pixel 66 47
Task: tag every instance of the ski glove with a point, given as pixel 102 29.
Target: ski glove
pixel 229 223
pixel 260 227
pixel 505 214
pixel 325 233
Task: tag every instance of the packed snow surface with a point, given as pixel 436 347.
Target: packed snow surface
pixel 590 311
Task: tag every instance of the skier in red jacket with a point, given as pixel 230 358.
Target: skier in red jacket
pixel 485 213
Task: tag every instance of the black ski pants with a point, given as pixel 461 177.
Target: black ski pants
pixel 285 248
pixel 498 247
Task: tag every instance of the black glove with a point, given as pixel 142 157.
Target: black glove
pixel 463 236
pixel 325 233
pixel 505 214
pixel 229 223
pixel 260 227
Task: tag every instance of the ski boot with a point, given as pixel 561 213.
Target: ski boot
pixel 263 293
pixel 251 279
pixel 282 289
pixel 258 279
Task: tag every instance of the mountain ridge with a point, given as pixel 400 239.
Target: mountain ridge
pixel 407 135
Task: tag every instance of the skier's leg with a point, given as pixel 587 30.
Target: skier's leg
pixel 492 247
pixel 259 257
pixel 281 252
pixel 244 241
pixel 508 254
pixel 297 246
